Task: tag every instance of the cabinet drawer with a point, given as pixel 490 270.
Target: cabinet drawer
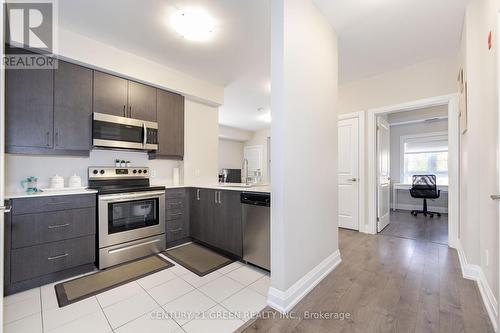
pixel 52 203
pixel 39 228
pixel 175 203
pixel 176 193
pixel 33 261
pixel 176 229
pixel 175 214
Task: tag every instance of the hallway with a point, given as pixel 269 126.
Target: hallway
pixel 390 284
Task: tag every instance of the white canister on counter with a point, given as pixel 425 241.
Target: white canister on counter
pixel 75 181
pixel 175 176
pixel 56 182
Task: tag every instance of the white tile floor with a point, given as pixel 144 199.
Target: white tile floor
pixel 172 300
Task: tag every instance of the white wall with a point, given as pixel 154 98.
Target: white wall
pixel 260 139
pixel 396 132
pixel 233 133
pixel 102 56
pixel 19 167
pixel 304 233
pixel 426 79
pixel 230 154
pixel 479 149
pixel 201 132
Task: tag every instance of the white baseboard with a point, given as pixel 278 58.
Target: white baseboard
pixel 475 272
pixel 284 301
pixel 442 210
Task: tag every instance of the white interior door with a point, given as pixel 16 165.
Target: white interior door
pixel 348 169
pixel 383 173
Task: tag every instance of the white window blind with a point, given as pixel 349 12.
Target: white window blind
pixel 425 154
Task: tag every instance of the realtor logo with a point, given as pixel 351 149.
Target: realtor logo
pixel 29 26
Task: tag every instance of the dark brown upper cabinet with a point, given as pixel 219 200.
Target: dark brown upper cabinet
pixel 72 107
pixel 29 109
pixel 110 94
pixel 120 97
pixel 170 117
pixel 141 101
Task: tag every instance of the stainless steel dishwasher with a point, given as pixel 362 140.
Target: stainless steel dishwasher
pixel 256 228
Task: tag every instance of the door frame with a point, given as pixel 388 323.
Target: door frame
pixel 451 100
pixel 360 115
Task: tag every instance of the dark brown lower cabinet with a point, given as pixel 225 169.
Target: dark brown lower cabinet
pixel 48 239
pixel 216 219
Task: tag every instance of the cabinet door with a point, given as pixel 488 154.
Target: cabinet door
pixel 110 94
pixel 141 101
pixel 170 115
pixel 72 107
pixel 29 108
pixel 202 211
pixel 227 222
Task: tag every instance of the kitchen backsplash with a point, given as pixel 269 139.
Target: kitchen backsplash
pixel 19 167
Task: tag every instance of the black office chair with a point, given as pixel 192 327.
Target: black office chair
pixel 424 187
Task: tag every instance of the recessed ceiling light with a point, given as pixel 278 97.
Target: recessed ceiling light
pixel 193 24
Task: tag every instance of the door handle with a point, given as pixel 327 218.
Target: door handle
pixel 352 179
pixel 495 197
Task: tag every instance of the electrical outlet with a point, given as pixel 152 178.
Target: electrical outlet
pixel 487 257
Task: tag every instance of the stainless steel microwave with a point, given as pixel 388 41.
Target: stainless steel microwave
pixel 110 131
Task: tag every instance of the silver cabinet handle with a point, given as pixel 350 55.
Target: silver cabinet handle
pixel 48 138
pixel 352 179
pixel 58 226
pixel 6 209
pixel 145 138
pixel 219 197
pixel 175 230
pixel 215 195
pixel 198 194
pixel 58 257
pixel 495 196
pixel 124 107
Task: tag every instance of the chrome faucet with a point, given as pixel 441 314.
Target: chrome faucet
pixel 245 167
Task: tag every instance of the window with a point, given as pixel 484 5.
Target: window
pixel 425 154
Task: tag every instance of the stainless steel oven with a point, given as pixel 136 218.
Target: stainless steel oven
pixel 131 214
pixel 110 131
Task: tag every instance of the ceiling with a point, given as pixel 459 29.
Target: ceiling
pixel 377 36
pixel 237 58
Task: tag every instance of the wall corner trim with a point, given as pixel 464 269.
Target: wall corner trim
pixel 474 272
pixel 284 301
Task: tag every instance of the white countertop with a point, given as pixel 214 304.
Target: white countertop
pixel 16 195
pixel 228 187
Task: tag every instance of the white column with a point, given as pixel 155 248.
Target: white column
pixel 304 233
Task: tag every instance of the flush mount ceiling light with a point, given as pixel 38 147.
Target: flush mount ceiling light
pixel 193 24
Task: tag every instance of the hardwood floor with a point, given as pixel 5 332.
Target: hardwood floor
pixel 403 224
pixel 389 284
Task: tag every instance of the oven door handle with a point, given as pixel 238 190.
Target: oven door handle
pixel 126 197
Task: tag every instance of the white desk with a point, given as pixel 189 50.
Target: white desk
pixel 401 186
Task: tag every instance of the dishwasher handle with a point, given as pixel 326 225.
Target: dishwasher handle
pixel 254 199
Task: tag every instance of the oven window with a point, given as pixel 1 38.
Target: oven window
pixel 129 215
pixel 117 132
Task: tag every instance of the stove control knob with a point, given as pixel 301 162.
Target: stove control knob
pixel 145 171
pixel 135 171
pixel 102 172
pixel 95 172
pixel 140 171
